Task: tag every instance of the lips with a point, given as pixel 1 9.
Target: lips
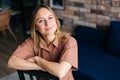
pixel 48 28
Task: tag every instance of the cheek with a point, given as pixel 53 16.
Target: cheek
pixel 55 24
pixel 38 27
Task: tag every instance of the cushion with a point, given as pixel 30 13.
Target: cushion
pixel 90 36
pixel 98 63
pixel 114 38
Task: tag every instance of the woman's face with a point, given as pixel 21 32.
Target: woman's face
pixel 45 22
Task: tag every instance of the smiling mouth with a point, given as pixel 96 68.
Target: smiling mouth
pixel 48 28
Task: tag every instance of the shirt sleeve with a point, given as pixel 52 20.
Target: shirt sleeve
pixel 25 50
pixel 70 52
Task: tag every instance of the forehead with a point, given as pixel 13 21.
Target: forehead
pixel 43 12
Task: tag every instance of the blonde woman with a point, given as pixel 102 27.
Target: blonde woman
pixel 48 48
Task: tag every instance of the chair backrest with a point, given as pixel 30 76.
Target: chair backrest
pixel 35 73
pixel 4 19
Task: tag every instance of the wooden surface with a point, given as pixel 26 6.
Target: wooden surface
pixel 7 46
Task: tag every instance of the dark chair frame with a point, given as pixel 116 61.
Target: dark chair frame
pixel 37 73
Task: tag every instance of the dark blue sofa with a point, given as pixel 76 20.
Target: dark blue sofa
pixel 98 53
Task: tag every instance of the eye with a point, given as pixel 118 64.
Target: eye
pixel 41 21
pixel 51 17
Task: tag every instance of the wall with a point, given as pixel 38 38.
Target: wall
pixel 92 13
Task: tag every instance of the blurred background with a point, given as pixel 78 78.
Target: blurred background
pixel 92 13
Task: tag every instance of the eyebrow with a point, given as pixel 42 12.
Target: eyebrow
pixel 43 18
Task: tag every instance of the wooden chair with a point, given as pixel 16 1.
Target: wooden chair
pixel 35 73
pixel 4 22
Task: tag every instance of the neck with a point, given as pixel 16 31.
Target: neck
pixel 49 38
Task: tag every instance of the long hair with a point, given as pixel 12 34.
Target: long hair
pixel 36 35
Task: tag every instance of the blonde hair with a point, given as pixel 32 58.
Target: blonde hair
pixel 37 36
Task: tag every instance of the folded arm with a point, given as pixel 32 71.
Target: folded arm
pixel 21 64
pixel 57 69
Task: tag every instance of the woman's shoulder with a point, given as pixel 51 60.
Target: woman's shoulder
pixel 69 40
pixel 28 41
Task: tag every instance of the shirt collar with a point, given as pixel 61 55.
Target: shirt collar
pixel 55 43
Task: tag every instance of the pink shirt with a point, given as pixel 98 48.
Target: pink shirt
pixel 57 52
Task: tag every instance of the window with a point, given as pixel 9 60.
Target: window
pixel 57 4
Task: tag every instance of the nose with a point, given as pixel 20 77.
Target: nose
pixel 47 22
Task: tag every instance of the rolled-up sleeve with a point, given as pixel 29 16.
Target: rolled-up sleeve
pixel 25 50
pixel 70 52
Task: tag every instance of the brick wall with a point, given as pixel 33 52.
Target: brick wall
pixel 92 13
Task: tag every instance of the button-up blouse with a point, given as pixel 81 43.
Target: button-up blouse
pixel 57 52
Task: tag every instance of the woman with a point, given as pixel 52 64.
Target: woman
pixel 48 49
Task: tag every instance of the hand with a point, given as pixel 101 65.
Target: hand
pixel 38 60
pixel 31 60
